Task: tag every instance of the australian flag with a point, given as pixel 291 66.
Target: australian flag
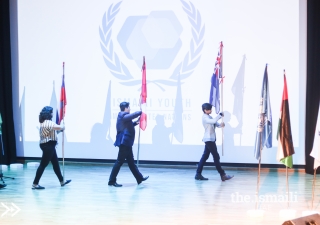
pixel 214 98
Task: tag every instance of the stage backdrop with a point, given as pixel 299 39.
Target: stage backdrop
pixel 103 42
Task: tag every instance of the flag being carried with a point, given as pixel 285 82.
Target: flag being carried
pixel 214 98
pixel 285 144
pixel 264 128
pixel 143 97
pixel 63 99
pixel 315 153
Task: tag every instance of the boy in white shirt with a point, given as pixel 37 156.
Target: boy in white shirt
pixel 209 139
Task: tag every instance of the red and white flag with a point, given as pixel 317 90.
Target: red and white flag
pixel 143 97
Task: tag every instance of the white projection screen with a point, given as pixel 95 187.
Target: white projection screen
pixel 102 43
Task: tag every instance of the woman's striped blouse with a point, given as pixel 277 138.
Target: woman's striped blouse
pixel 47 133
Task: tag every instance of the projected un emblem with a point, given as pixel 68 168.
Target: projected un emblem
pixel 157 36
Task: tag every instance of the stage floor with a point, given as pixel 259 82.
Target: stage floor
pixel 170 196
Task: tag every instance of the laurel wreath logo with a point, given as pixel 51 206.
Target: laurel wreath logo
pixel 185 68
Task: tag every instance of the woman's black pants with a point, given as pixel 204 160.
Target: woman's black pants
pixel 48 154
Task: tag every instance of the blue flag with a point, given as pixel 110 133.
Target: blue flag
pixel 214 98
pixel 57 117
pixel 264 127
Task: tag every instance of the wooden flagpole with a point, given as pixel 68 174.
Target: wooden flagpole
pixel 221 60
pixel 63 152
pixel 138 144
pixel 63 132
pixel 259 170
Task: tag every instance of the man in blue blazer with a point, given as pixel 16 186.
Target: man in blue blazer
pixel 124 140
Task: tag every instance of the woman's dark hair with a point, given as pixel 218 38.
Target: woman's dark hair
pixel 45 114
pixel 206 106
pixel 124 105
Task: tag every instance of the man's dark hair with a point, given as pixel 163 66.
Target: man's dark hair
pixel 206 106
pixel 45 114
pixel 124 105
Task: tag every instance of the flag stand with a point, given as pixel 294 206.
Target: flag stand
pixel 312 211
pixel 257 213
pixel 259 170
pixel 258 183
pixel 287 187
pixel 287 214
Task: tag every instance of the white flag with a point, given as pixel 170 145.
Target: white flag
pixel 315 153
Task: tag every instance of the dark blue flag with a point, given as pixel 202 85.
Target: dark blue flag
pixel 264 128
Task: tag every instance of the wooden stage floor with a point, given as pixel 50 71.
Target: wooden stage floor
pixel 169 196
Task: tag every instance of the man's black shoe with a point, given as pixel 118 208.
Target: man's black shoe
pixel 200 177
pixel 226 177
pixel 143 179
pixel 115 184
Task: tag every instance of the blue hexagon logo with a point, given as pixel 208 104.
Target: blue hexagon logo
pixel 156 36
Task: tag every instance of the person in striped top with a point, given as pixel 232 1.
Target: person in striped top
pixel 48 141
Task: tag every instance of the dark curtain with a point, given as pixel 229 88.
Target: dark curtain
pixel 6 109
pixel 313 78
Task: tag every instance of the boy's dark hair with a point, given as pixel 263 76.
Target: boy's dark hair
pixel 124 105
pixel 45 114
pixel 206 106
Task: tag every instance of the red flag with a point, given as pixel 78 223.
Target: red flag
pixel 63 99
pixel 143 97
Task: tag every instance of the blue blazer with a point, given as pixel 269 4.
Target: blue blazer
pixel 125 128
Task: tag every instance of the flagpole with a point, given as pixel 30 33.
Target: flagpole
pixel 313 186
pixel 138 147
pixel 63 152
pixel 259 168
pixel 63 134
pixel 222 131
pixel 222 136
pixel 139 137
